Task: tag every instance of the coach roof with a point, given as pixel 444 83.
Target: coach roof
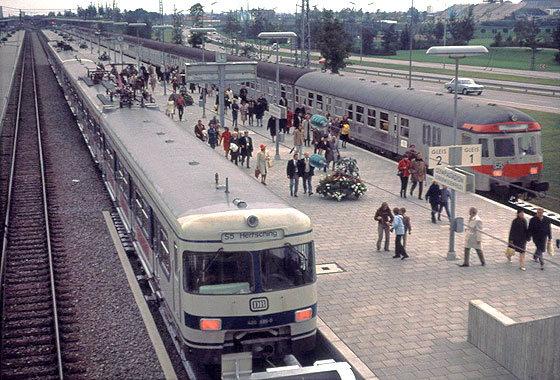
pixel 426 106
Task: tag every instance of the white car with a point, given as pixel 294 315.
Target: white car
pixel 464 86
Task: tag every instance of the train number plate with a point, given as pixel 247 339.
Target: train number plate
pixel 258 304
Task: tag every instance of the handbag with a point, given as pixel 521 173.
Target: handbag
pixel 549 248
pixel 257 173
pixel 510 252
pixel 400 173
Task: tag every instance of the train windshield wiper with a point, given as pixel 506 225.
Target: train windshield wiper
pixel 303 258
pixel 218 252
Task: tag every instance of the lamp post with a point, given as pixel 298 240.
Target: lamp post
pixel 361 31
pixel 163 28
pixel 410 37
pixel 137 25
pixel 204 31
pixel 456 53
pixel 120 38
pixel 277 36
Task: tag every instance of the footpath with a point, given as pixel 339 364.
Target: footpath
pixel 9 52
pixel 405 319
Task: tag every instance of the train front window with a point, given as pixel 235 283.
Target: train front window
pixel 287 267
pixel 504 147
pixel 527 145
pixel 219 272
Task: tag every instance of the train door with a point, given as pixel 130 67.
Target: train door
pixel 162 268
pixel 176 282
pixel 404 133
pixel 394 132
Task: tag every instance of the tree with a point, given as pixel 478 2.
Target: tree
pixel 233 26
pixel 197 15
pixel 498 40
pixel 556 38
pixel 177 33
pixel 368 35
pixel 334 43
pixel 462 30
pixel 404 39
pixel 527 35
pixel 438 31
pixel 390 40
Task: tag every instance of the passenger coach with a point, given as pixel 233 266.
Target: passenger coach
pixel 232 265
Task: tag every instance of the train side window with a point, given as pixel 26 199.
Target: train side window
pixel 349 111
pixel 297 95
pixel 426 134
pixel 465 139
pixel 123 180
pixel 437 133
pixel 163 248
pixel 384 121
pixel 109 156
pixel 338 107
pixel 484 143
pixel 310 97
pixel 142 213
pixel 527 145
pixel 404 128
pixel 319 102
pixel 359 114
pixel 371 117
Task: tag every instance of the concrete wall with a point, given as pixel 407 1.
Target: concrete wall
pixel 530 350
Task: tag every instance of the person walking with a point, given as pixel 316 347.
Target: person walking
pixel 244 111
pixel 473 237
pixel 433 195
pixel 263 162
pixel 539 230
pixel 518 237
pixel 298 140
pixel 418 173
pixel 384 219
pixel 293 175
pixel 333 153
pixel 246 145
pixel 323 149
pixel 199 130
pixel 444 202
pixel 306 171
pixel 224 139
pixel 251 111
pixel 398 227
pixel 170 110
pixel 345 133
pixel 306 126
pixel 271 126
pixel 403 173
pixel 407 226
pixel 234 148
pixel 180 104
pixel 212 136
pixel 234 112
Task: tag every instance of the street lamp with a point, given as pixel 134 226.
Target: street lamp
pixel 137 25
pixel 277 36
pixel 204 31
pixel 410 37
pixel 162 28
pixel 120 38
pixel 361 31
pixel 456 53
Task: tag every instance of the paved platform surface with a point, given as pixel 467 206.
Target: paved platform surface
pixel 407 319
pixel 8 56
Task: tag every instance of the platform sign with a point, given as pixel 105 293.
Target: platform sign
pixel 278 112
pixel 455 179
pixel 438 156
pixel 209 72
pixel 471 155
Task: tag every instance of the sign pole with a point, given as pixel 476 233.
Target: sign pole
pixel 221 95
pixel 451 254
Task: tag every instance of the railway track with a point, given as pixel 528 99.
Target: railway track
pixel 31 344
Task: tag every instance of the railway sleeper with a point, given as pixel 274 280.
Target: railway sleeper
pixel 27 315
pixel 26 331
pixel 22 261
pixel 26 267
pixel 22 351
pixel 26 275
pixel 41 305
pixel 30 341
pixel 30 361
pixel 38 372
pixel 28 246
pixel 27 283
pixel 23 300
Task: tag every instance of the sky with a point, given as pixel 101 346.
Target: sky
pixel 11 6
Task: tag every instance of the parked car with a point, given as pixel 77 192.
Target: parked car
pixel 464 86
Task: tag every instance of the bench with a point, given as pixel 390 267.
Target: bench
pixel 88 81
pixel 104 100
pixel 108 85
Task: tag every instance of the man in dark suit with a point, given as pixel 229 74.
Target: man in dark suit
pixel 292 173
pixel 246 146
pixel 305 171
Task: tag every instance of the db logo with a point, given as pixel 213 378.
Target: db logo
pixel 258 304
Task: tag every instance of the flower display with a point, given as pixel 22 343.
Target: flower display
pixel 345 182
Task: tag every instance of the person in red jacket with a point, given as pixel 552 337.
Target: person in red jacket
pixel 403 173
pixel 224 139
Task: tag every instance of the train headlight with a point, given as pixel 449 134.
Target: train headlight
pixel 497 172
pixel 533 170
pixel 303 315
pixel 252 221
pixel 210 324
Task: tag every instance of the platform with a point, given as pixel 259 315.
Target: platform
pixel 9 52
pixel 406 319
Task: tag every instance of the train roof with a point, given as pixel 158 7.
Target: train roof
pixel 427 106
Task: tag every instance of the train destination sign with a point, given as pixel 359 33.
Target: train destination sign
pixel 252 236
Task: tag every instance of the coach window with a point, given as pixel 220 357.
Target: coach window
pixel 350 111
pixel 527 145
pixel 360 114
pixel 371 117
pixel 319 102
pixel 484 143
pixel 384 121
pixel 297 95
pixel 109 156
pixel 310 97
pixel 426 134
pixel 163 248
pixel 122 178
pixel 218 272
pixel 338 107
pixel 504 147
pixel 142 213
pixel 404 128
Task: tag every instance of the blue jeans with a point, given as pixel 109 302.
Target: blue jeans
pixel 294 183
pixel 307 187
pixel 441 207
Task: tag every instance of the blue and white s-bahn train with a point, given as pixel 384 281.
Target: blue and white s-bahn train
pixel 389 119
pixel 234 270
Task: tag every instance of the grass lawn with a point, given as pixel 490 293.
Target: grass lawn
pixel 550 124
pixel 504 57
